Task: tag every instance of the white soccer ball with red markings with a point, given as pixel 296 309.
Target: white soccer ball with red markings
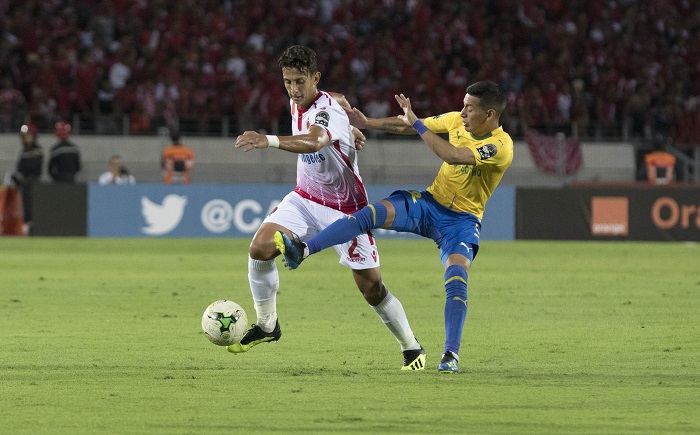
pixel 224 322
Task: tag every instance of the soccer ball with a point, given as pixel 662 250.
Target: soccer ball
pixel 224 322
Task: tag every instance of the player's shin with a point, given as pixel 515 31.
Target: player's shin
pixel 264 283
pixel 455 306
pixel 370 217
pixel 393 315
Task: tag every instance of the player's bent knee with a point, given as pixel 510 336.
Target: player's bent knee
pixel 374 298
pixel 390 214
pixel 374 293
pixel 370 284
pixel 262 251
pixel 458 260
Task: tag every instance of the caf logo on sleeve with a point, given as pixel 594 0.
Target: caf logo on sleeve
pixel 322 118
pixel 487 151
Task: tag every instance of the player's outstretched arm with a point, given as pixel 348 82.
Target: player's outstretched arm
pixel 389 125
pixel 314 140
pixel 445 150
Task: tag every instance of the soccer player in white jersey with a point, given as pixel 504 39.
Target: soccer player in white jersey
pixel 329 187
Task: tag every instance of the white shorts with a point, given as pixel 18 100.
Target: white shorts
pixel 306 219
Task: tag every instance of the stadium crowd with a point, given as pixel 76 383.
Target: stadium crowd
pixel 592 64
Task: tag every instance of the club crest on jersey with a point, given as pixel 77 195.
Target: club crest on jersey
pixel 322 118
pixel 487 151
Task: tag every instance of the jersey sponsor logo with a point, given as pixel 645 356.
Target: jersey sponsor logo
pixel 487 151
pixel 311 159
pixel 469 170
pixel 359 259
pixel 322 118
pixel 162 218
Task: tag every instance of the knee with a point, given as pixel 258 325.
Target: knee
pixel 262 251
pixel 374 292
pixel 458 260
pixel 456 271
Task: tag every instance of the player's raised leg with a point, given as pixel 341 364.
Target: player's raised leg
pixel 377 215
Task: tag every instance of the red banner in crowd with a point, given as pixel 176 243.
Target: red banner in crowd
pixel 554 154
pixel 11 218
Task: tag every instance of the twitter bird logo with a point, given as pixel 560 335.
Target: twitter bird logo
pixel 161 219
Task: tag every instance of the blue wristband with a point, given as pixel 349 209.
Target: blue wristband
pixel 420 127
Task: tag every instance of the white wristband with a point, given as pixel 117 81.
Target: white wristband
pixel 274 141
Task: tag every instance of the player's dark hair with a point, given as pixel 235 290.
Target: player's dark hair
pixel 490 95
pixel 299 57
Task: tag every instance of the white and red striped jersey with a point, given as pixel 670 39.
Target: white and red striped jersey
pixel 330 176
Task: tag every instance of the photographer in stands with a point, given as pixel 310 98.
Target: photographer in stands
pixel 117 174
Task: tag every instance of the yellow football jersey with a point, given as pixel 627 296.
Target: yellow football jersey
pixel 466 188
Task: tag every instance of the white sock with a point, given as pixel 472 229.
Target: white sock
pixel 392 314
pixel 264 282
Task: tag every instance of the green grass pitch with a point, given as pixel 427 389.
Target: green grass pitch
pixel 103 336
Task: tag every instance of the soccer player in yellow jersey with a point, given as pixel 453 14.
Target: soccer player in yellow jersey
pixel 449 211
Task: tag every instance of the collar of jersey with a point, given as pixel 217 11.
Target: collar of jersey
pixel 312 103
pixel 486 136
